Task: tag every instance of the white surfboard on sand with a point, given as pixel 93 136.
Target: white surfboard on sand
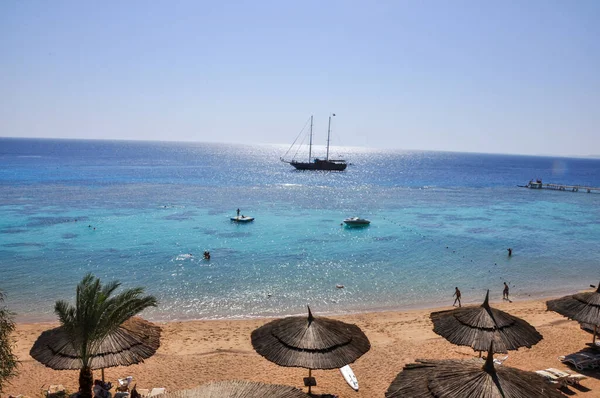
pixel 349 376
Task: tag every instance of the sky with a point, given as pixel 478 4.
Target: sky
pixel 505 76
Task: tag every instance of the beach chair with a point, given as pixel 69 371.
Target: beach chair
pixel 499 361
pixel 582 360
pixel 157 391
pixel 139 392
pixel 56 391
pixel 561 377
pixel 570 378
pixel 124 384
pixel 552 378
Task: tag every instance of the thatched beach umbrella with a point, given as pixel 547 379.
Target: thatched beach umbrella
pixel 311 343
pixel 132 342
pixel 581 307
pixel 478 326
pixel 454 378
pixel 238 389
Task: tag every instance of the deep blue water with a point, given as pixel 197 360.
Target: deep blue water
pixel 439 220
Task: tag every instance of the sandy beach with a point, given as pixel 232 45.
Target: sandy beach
pixel 196 352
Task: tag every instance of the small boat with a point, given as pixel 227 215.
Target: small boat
pixel 356 222
pixel 535 185
pixel 316 163
pixel 242 219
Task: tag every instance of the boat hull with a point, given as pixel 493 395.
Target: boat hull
pixel 242 219
pixel 327 165
pixel 534 185
pixel 356 222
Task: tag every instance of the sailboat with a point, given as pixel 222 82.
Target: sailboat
pixel 316 163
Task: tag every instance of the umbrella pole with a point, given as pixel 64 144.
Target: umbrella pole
pixel 102 375
pixel 309 376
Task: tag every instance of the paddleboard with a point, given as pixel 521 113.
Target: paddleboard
pixel 349 376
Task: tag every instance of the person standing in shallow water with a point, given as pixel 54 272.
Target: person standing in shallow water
pixel 509 252
pixel 457 294
pixel 505 292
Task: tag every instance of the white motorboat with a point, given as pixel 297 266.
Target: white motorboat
pixel 356 222
pixel 242 219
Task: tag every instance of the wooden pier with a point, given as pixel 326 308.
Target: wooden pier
pixel 561 187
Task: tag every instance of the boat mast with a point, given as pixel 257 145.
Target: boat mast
pixel 328 134
pixel 310 139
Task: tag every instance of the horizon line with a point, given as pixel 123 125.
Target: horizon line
pixel 572 156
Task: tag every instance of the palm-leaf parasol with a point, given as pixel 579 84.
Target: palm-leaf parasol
pixel 311 343
pixel 453 378
pixel 478 326
pixel 581 307
pixel 238 389
pixel 132 342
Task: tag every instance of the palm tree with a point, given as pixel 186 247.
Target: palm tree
pixel 8 360
pixel 96 315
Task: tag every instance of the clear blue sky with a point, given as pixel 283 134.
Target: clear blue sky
pixel 480 76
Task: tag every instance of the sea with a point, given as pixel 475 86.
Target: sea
pixel 143 213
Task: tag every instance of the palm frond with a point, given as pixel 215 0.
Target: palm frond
pixel 110 287
pixel 66 315
pixel 122 307
pixel 97 313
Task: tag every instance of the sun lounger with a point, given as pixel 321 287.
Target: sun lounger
pixel 582 360
pixel 144 392
pixel 124 384
pixel 561 377
pixel 571 378
pixel 499 361
pixel 157 391
pixel 551 377
pixel 56 391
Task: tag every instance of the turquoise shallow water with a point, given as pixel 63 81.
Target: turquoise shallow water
pixel 439 220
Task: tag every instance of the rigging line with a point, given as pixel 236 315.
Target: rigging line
pixel 299 147
pixel 298 136
pixel 337 139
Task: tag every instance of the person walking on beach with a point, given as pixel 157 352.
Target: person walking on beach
pixel 505 292
pixel 457 294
